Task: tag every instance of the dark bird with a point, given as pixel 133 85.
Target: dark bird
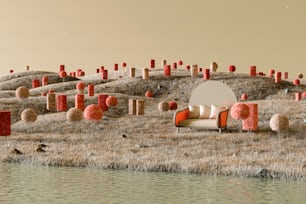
pixel 40 149
pixel 124 136
pixel 42 145
pixel 16 151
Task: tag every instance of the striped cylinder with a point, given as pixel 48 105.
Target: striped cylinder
pixel 252 70
pixel 167 70
pixel 206 74
pixel 140 107
pixel 44 81
pixel 298 96
pixel 194 70
pixel 91 89
pixel 35 83
pixel 132 72
pixel 278 77
pixel 105 74
pixel 5 123
pixel 51 101
pixel 132 106
pixel 102 101
pixel 61 102
pixel 251 122
pixel 79 101
pixel 145 73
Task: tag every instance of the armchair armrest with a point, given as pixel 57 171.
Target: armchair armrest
pixel 222 118
pixel 180 115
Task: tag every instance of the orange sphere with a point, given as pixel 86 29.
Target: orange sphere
pixel 172 105
pixel 93 112
pixel 111 101
pixel 80 86
pixel 149 94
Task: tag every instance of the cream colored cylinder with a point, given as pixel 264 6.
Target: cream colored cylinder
pixel 194 72
pixel 145 73
pixel 132 106
pixel 140 107
pixel 51 102
pixel 132 72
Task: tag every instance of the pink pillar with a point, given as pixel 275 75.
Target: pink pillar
pixel 102 101
pixel 79 101
pixel 167 70
pixel 91 89
pixel 298 96
pixel 206 74
pixel 251 123
pixel 278 77
pixel 61 103
pixel 253 70
pixel 5 123
pixel 35 83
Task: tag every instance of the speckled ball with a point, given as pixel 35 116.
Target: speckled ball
pixel 279 123
pixel 93 112
pixel 74 114
pixel 163 106
pixel 240 111
pixel 149 94
pixel 111 101
pixel 22 92
pixel 29 115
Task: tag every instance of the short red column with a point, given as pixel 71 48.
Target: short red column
pixel 5 123
pixel 61 103
pixel 35 83
pixel 251 123
pixel 253 70
pixel 91 89
pixel 102 101
pixel 79 101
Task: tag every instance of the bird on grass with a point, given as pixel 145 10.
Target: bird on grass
pixel 16 151
pixel 40 148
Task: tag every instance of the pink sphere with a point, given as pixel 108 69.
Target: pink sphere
pixel 240 111
pixel 296 82
pixel 232 68
pixel 180 62
pixel 172 105
pixel 149 94
pixel 111 101
pixel 244 96
pixel 93 112
pixel 80 85
pixel 63 74
pixel 304 94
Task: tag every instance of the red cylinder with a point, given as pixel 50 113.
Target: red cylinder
pixel 91 89
pixel 206 74
pixel 61 67
pixel 105 74
pixel 271 72
pixel 286 75
pixel 61 103
pixel 5 123
pixel 174 65
pixel 278 77
pixel 98 70
pixel 35 83
pixel 152 63
pixel 79 101
pixel 44 81
pixel 167 70
pixel 298 96
pixel 252 70
pixel 116 67
pixel 102 101
pixel 101 69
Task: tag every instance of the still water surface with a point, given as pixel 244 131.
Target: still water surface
pixel 32 184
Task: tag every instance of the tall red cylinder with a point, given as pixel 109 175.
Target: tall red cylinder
pixel 152 63
pixel 44 81
pixel 252 70
pixel 105 74
pixel 5 123
pixel 35 83
pixel 91 89
pixel 278 77
pixel 167 70
pixel 102 101
pixel 206 74
pixel 79 101
pixel 61 67
pixel 286 75
pixel 61 103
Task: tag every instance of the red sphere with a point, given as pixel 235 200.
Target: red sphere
pixel 63 74
pixel 111 101
pixel 172 105
pixel 149 94
pixel 93 112
pixel 180 62
pixel 188 67
pixel 304 94
pixel 80 85
pixel 240 111
pixel 123 64
pixel 244 96
pixel 232 68
pixel 296 82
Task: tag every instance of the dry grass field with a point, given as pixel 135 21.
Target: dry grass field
pixel 150 142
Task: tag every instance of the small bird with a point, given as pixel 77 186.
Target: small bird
pixel 40 149
pixel 124 136
pixel 16 151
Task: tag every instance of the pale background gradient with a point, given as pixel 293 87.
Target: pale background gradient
pixel 89 33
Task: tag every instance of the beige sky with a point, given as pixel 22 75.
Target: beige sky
pixel 89 33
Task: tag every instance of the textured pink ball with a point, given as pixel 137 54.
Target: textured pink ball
pixel 240 111
pixel 63 74
pixel 149 94
pixel 172 105
pixel 93 112
pixel 244 96
pixel 279 123
pixel 111 101
pixel 80 86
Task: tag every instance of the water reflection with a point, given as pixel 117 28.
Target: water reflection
pixel 32 184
